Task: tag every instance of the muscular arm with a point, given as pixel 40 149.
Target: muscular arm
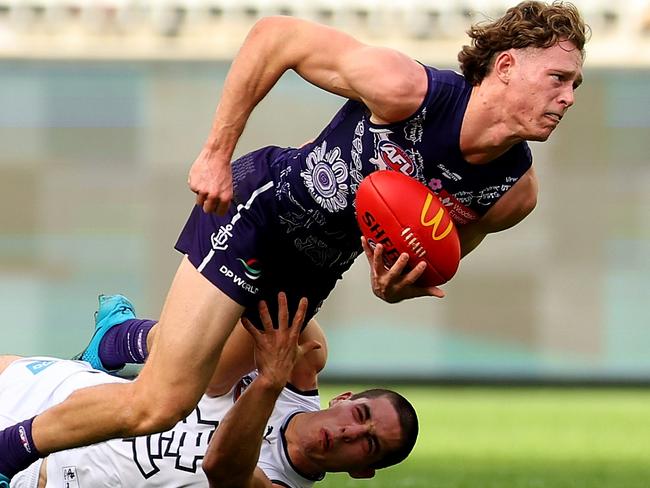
pixel 325 57
pixel 235 447
pixel 512 208
pixel 391 84
pixel 237 359
pixel 232 455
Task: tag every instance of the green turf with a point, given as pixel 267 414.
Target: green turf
pixel 522 438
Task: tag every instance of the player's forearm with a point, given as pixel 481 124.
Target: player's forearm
pixel 259 64
pixel 234 449
pixel 468 245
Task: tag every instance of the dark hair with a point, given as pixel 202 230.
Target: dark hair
pixel 408 421
pixel 529 24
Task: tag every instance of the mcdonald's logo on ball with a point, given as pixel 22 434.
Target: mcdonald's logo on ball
pixel 404 215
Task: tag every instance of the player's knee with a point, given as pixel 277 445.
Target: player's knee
pixel 157 413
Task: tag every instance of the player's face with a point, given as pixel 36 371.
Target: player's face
pixel 542 88
pixel 352 434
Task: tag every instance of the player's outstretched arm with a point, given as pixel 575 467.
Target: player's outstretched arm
pixel 237 359
pixel 233 452
pixel 391 84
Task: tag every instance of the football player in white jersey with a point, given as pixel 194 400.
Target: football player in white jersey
pixel 274 434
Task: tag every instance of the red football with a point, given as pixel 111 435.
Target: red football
pixel 403 215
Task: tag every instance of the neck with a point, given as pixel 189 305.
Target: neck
pixel 298 456
pixel 485 135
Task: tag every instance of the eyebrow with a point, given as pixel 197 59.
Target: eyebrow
pixel 577 82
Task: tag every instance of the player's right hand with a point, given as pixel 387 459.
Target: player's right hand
pixel 211 179
pixel 396 284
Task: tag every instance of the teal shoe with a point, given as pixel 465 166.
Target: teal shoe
pixel 113 310
pixel 4 481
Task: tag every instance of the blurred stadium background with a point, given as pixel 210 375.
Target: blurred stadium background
pixel 105 103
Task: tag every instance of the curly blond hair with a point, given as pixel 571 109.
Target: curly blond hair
pixel 529 24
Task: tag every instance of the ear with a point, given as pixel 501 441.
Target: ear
pixel 503 65
pixel 340 398
pixel 362 473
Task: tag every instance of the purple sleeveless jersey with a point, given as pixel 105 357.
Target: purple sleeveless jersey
pixel 292 227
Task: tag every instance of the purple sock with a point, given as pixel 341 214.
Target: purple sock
pixel 17 450
pixel 125 343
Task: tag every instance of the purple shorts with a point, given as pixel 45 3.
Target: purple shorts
pixel 245 252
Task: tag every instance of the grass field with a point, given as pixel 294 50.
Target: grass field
pixel 521 438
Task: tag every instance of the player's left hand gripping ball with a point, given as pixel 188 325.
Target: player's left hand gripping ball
pixel 404 215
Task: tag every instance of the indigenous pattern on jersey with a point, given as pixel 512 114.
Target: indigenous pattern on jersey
pixel 426 146
pixel 173 458
pixel 249 254
pixel 292 225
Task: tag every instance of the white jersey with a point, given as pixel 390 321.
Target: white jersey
pixel 170 459
pixel 273 459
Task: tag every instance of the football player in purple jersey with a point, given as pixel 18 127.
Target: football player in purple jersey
pixel 283 218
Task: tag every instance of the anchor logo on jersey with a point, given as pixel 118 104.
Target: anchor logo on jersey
pixel 220 239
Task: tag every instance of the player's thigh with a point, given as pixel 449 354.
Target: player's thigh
pixel 302 280
pixel 195 322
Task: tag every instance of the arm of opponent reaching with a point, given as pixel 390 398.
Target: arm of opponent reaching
pixel 237 359
pixel 232 454
pixel 391 84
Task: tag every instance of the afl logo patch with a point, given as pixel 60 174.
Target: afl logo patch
pixel 395 157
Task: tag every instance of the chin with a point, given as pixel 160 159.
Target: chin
pixel 540 136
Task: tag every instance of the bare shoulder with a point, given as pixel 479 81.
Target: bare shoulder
pixel 514 206
pixel 400 85
pixel 389 82
pixel 5 361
